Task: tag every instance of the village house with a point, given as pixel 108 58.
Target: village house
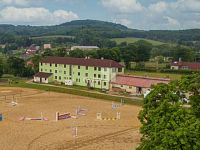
pixel 84 47
pixel 180 65
pixel 32 49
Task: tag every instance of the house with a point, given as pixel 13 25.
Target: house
pixel 84 47
pixel 42 77
pixel 180 65
pixel 32 49
pixel 96 73
pixel 47 46
pixel 135 84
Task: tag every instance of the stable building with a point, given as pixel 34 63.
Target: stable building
pixel 135 84
pixel 42 77
pixel 181 65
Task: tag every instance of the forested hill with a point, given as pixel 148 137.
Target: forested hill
pixel 95 28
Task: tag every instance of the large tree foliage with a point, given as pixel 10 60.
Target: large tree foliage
pixel 166 123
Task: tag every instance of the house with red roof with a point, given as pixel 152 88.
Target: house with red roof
pixel 181 65
pixel 135 84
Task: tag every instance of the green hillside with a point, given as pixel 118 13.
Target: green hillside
pixel 133 40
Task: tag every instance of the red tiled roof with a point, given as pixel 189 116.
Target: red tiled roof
pixel 42 75
pixel 82 62
pixel 139 81
pixel 190 65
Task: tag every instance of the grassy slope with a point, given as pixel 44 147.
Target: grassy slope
pixel 133 40
pixel 52 36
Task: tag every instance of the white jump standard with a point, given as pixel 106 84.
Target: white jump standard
pixel 117 105
pixel 118 117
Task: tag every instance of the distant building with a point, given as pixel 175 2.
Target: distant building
pixel 47 46
pixel 32 49
pixel 84 47
pixel 30 63
pixel 135 84
pixel 180 65
pixel 2 45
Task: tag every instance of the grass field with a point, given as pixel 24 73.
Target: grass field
pixel 52 36
pixel 155 74
pixel 133 40
pixel 92 134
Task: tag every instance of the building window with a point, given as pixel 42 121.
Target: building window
pixel 99 68
pixel 105 69
pixel 56 71
pixel 86 74
pixel 119 69
pixel 86 67
pixel 79 73
pixel 56 65
pixel 99 83
pixel 122 86
pixel 79 67
pixel 76 80
pixel 65 78
pixel 130 87
pixel 70 70
pixel 95 75
pixel 50 71
pixel 104 83
pixel 55 77
pixel 79 80
pixel 113 69
pixel 64 72
pixel 95 68
pixel 70 78
pixel 50 64
pixel 41 70
pixel 104 76
pixel 59 77
pixel 99 76
pixel 64 66
pixel 41 64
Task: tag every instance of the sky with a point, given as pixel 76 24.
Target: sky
pixel 136 14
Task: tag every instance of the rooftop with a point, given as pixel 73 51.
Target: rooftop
pixel 82 62
pixel 139 81
pixel 42 75
pixel 190 65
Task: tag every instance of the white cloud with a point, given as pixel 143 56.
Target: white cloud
pixel 15 2
pixel 123 6
pixel 158 7
pixel 123 21
pixel 35 16
pixel 172 22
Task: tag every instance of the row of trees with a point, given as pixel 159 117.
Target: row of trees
pixel 166 122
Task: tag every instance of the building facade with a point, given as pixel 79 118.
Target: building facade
pixel 96 73
pixel 180 65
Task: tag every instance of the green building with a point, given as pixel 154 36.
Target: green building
pixel 89 72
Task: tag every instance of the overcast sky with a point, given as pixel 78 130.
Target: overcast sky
pixel 137 14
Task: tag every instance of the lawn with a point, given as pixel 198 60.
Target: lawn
pixel 154 74
pixel 133 40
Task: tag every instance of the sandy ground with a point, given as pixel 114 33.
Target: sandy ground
pixel 92 134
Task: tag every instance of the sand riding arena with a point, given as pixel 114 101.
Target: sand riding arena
pixel 40 120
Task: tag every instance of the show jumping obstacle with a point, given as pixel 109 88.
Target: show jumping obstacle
pixel 64 116
pixel 14 103
pixel 80 111
pixel 1 117
pixel 40 118
pixel 99 117
pixel 114 105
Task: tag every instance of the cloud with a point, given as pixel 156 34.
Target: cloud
pixel 35 16
pixel 123 21
pixel 158 7
pixel 171 21
pixel 123 6
pixel 15 2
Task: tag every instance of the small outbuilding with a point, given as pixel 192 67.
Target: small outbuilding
pixel 42 77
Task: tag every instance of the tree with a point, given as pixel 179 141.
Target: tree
pixel 1 68
pixel 36 59
pixel 48 52
pixel 184 53
pixel 16 66
pixel 77 53
pixel 61 52
pixel 113 54
pixel 166 124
